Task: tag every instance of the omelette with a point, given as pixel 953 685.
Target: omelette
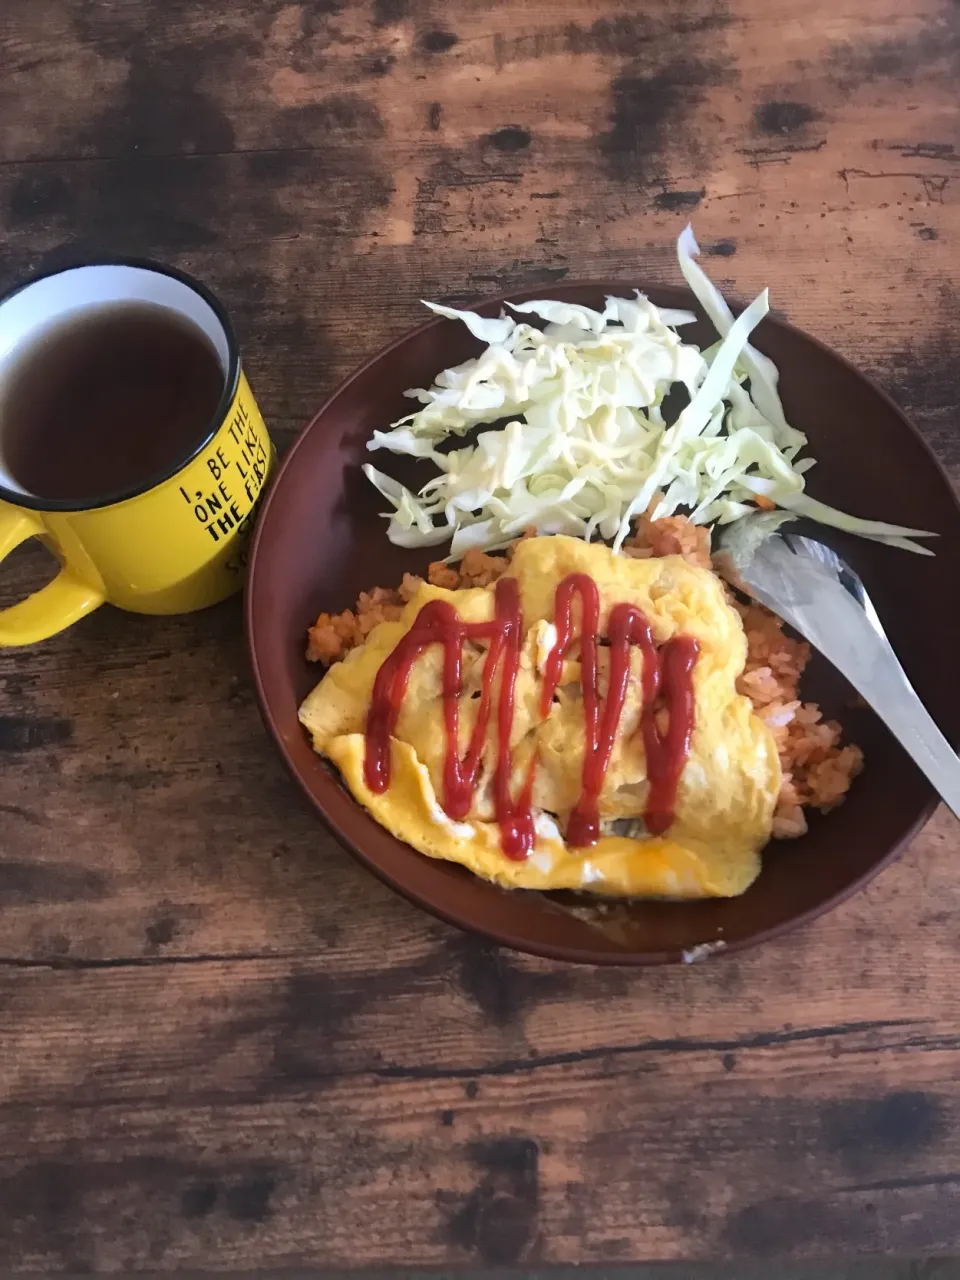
pixel 492 727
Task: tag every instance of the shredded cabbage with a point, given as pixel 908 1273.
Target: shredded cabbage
pixel 584 446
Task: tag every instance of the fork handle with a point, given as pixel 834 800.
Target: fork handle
pixel 884 684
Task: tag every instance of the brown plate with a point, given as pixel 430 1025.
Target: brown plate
pixel 320 541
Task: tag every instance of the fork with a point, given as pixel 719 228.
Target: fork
pixel 807 584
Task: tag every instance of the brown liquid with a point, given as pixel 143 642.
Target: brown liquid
pixel 105 403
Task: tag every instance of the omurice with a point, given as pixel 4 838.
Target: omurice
pixel 571 719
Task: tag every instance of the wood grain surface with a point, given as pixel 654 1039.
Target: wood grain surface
pixel 224 1045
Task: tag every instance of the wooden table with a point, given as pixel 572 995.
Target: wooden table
pixel 224 1045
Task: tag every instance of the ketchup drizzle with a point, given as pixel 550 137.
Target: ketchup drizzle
pixel 667 675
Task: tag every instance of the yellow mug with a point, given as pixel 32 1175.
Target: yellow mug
pixel 177 542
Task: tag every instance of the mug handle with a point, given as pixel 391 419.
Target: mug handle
pixel 54 607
